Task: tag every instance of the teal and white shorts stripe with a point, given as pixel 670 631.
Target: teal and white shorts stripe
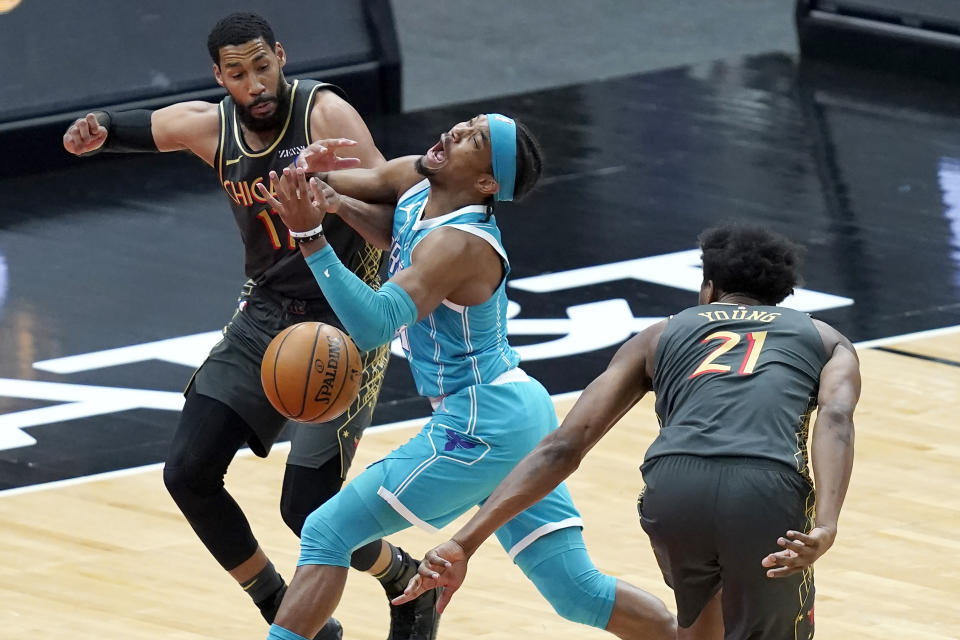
pixel 473 440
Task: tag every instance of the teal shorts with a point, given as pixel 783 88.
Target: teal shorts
pixel 473 440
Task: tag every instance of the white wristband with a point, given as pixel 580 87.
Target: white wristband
pixel 299 235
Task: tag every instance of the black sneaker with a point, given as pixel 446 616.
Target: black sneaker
pixel 415 620
pixel 330 631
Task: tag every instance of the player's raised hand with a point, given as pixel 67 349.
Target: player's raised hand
pixel 324 196
pixel 800 550
pixel 293 200
pixel 321 156
pixel 84 135
pixel 443 566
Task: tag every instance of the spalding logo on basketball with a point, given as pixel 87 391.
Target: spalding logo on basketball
pixel 311 372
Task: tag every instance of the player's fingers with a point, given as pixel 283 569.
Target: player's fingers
pixel 795 545
pixel 302 190
pixel 288 185
pixel 429 571
pixel 321 186
pixel 83 130
pixel 434 558
pixel 802 537
pixel 783 572
pixel 347 163
pixel 268 196
pixel 316 149
pixel 412 591
pixel 317 193
pixel 274 183
pixel 335 143
pixel 94 125
pixel 275 193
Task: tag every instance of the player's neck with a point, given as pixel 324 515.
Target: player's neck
pixel 441 202
pixel 257 141
pixel 737 298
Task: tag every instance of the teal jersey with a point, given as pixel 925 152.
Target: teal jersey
pixel 455 346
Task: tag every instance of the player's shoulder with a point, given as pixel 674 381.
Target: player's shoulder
pixel 831 337
pixel 330 105
pixel 452 241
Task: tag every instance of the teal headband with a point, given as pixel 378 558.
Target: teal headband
pixel 503 152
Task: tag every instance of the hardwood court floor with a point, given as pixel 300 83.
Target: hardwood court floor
pixel 113 558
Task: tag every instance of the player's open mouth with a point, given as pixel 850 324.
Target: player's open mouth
pixel 437 153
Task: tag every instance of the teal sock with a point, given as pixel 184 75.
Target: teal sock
pixel 279 633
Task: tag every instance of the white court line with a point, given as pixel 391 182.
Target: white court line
pixel 918 335
pixel 119 473
pixel 406 424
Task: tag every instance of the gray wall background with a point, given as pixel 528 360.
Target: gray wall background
pixel 462 50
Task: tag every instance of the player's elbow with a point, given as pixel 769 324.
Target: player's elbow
pixel 837 421
pixel 370 341
pixel 562 454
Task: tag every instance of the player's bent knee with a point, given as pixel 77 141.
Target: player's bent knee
pixel 322 543
pixel 585 599
pixel 305 489
pixel 568 579
pixel 187 488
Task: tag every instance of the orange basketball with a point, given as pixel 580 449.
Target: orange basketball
pixel 311 372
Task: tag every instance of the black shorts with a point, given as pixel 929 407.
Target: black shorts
pixel 711 521
pixel 231 374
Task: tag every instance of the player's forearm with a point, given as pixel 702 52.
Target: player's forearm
pixel 366 185
pixel 832 452
pixel 128 131
pixel 537 475
pixel 370 317
pixel 372 221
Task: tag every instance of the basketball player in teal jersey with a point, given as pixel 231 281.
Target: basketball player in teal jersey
pixel 736 380
pixel 446 299
pixel 261 125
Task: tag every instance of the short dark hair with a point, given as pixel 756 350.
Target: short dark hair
pixel 750 260
pixel 238 28
pixel 529 162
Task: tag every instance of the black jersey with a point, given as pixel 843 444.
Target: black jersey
pixel 735 380
pixel 271 257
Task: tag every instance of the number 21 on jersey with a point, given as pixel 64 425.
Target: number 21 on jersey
pixel 729 340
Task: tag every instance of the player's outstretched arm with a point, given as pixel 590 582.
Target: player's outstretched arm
pixel 832 454
pixel 188 126
pixel 625 381
pixel 192 126
pixel 383 184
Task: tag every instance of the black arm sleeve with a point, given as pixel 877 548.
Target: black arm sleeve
pixel 127 131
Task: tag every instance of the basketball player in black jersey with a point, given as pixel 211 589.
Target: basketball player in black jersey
pixel 736 379
pixel 262 125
